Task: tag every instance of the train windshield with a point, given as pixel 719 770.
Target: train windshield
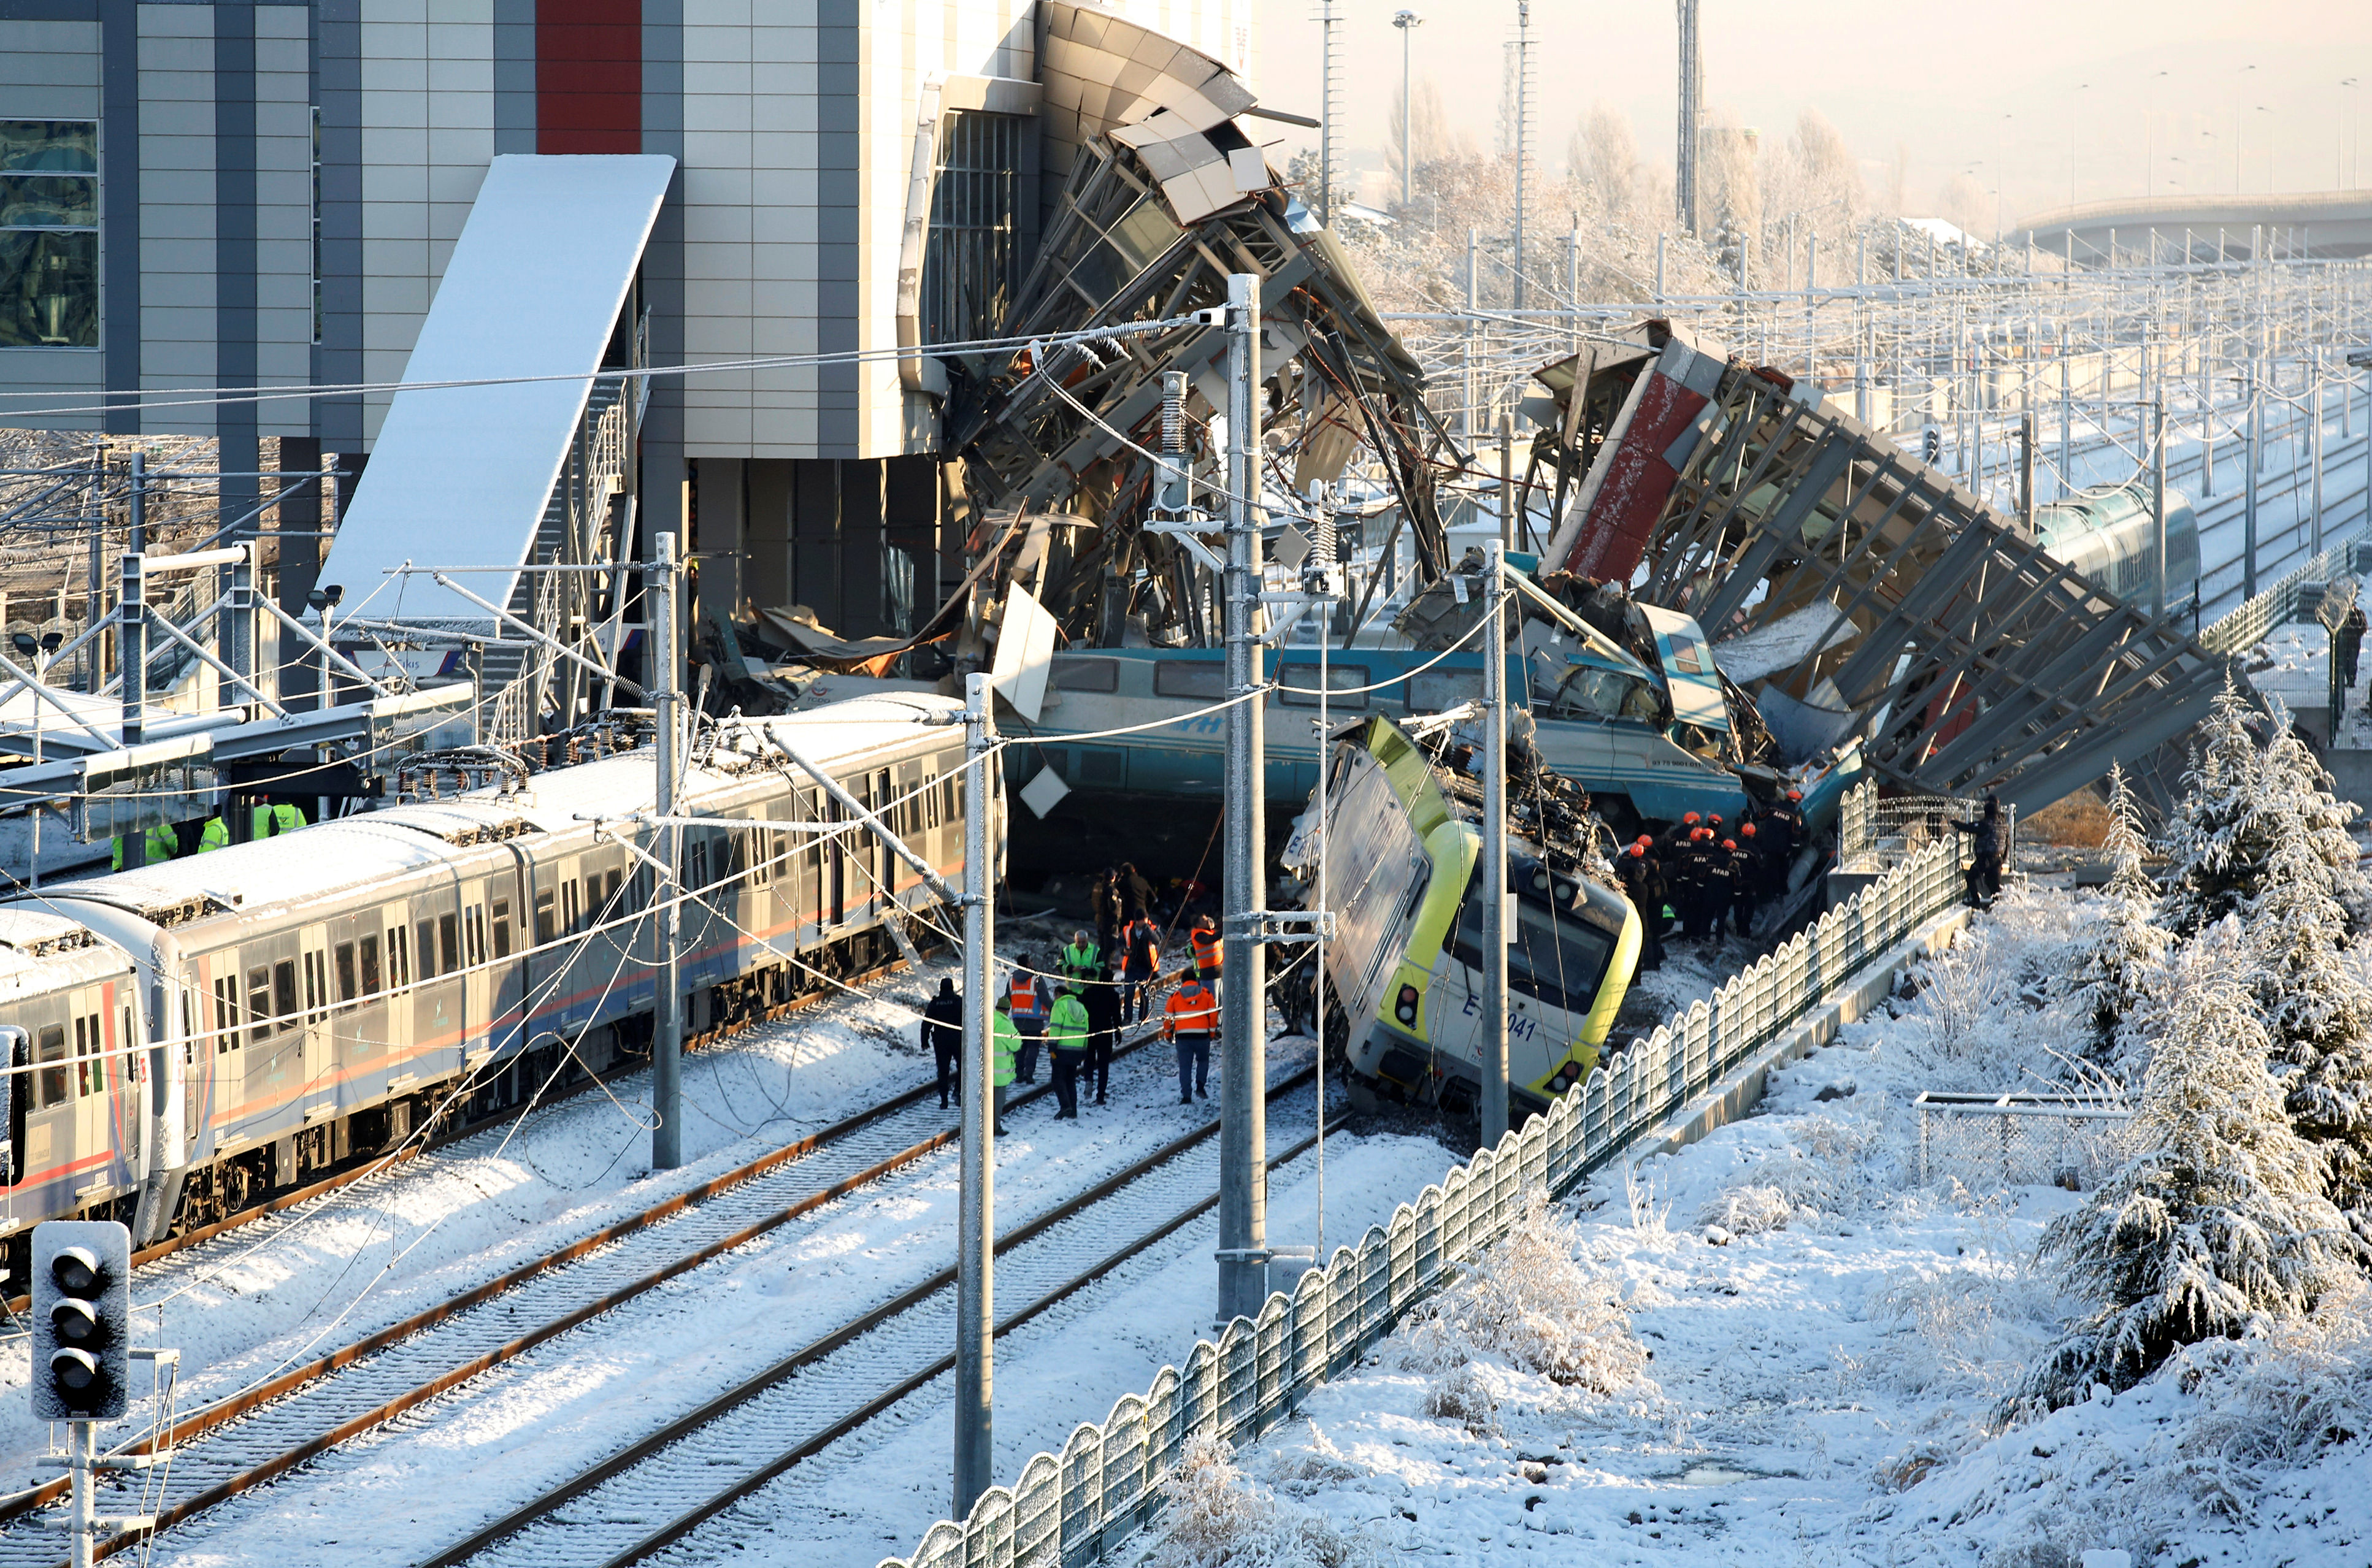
pixel 1558 957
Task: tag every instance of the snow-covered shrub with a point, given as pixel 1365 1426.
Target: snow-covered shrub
pixel 1301 1472
pixel 1460 1394
pixel 1217 1519
pixel 2218 1227
pixel 1960 991
pixel 2126 940
pixel 2277 1403
pixel 1750 1210
pixel 1529 1300
pixel 2217 837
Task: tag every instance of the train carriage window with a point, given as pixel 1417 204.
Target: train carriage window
pixel 1439 690
pixel 399 959
pixel 736 847
pixel 258 1004
pixel 695 861
pixel 1343 685
pixel 612 903
pixel 545 933
pixel 226 1014
pixel 1086 674
pixel 283 992
pixel 85 1028
pixel 370 966
pixel 1207 679
pixel 948 812
pixel 502 928
pixel 424 947
pixel 571 914
pixel 474 932
pixel 52 1047
pixel 347 988
pixel 317 987
pixel 448 943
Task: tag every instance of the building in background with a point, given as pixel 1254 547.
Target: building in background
pixel 263 194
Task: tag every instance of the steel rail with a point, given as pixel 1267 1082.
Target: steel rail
pixel 741 1393
pixel 504 1116
pixel 222 1413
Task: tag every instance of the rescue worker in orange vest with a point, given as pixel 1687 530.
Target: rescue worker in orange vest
pixel 1140 961
pixel 1204 938
pixel 1191 1019
pixel 1030 999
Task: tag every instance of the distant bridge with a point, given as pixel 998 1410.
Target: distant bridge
pixel 2329 224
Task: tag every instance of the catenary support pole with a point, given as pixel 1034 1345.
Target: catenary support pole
pixel 1507 478
pixel 976 1242
pixel 2252 417
pixel 132 640
pixel 666 1004
pixel 2314 437
pixel 1243 1141
pixel 2025 436
pixel 2158 506
pixel 1495 934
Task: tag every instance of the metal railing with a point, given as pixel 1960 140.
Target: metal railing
pixel 1072 1508
pixel 2016 1140
pixel 2249 622
pixel 1875 831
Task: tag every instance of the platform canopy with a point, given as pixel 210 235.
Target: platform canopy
pixel 462 470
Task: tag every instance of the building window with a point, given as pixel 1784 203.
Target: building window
pixel 971 263
pixel 49 234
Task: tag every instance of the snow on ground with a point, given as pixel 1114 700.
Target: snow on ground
pixel 1824 1341
pixel 325 1274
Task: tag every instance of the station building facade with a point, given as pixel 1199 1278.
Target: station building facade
pixel 257 193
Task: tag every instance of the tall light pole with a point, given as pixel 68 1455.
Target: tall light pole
pixel 1326 113
pixel 1685 164
pixel 1408 22
pixel 1523 130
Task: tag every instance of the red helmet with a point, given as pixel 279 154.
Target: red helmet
pixel 1645 839
pixel 1700 835
pixel 1690 820
pixel 1747 829
pixel 1795 795
pixel 1714 819
pixel 1730 844
pixel 1638 852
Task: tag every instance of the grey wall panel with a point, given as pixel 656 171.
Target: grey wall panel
pixel 337 53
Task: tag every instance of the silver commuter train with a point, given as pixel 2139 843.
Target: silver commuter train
pixel 315 996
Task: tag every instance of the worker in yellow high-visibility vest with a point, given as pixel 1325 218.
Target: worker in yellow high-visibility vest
pixel 164 843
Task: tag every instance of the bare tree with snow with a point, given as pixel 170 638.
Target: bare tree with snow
pixel 2218 1227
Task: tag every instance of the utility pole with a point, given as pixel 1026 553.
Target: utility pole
pixel 1507 479
pixel 1326 113
pixel 1407 21
pixel 1466 423
pixel 2026 470
pixel 2252 416
pixel 2314 438
pixel 1684 166
pixel 1523 131
pixel 2158 506
pixel 1243 1130
pixel 667 1000
pixel 132 639
pixel 976 1242
pixel 1495 933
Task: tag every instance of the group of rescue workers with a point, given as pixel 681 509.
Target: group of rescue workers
pixel 166 841
pixel 1074 1008
pixel 1709 875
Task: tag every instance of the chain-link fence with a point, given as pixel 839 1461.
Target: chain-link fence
pixel 1070 1509
pixel 2249 622
pixel 2018 1140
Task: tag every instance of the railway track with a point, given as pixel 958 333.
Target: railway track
pixel 244 1442
pixel 444 1138
pixel 662 1489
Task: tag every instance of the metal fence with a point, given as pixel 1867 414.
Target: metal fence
pixel 2016 1140
pixel 1874 830
pixel 2247 625
pixel 1069 1509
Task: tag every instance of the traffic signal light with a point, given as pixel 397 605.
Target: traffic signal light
pixel 82 1320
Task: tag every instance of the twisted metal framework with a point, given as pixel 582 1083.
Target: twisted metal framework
pixel 1113 254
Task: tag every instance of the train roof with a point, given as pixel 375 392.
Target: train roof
pixel 380 846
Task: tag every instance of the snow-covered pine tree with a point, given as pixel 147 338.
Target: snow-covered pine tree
pixel 2316 1006
pixel 2218 1222
pixel 2127 942
pixel 2216 839
pixel 2296 784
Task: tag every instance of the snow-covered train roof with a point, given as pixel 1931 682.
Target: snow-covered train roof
pixel 380 846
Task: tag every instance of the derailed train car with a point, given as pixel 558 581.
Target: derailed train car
pixel 1404 867
pixel 193 1036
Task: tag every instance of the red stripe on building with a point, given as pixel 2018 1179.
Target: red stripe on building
pixel 589 76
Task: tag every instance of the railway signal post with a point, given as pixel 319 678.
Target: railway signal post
pixel 1243 1070
pixel 1496 932
pixel 667 1000
pixel 976 1240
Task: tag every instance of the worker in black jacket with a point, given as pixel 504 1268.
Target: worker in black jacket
pixel 1635 870
pixel 943 1032
pixel 1719 875
pixel 1103 1000
pixel 1746 880
pixel 1985 869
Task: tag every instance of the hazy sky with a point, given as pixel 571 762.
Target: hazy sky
pixel 2024 86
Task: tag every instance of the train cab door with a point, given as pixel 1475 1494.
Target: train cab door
pixel 319 1057
pixel 96 1071
pixel 836 875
